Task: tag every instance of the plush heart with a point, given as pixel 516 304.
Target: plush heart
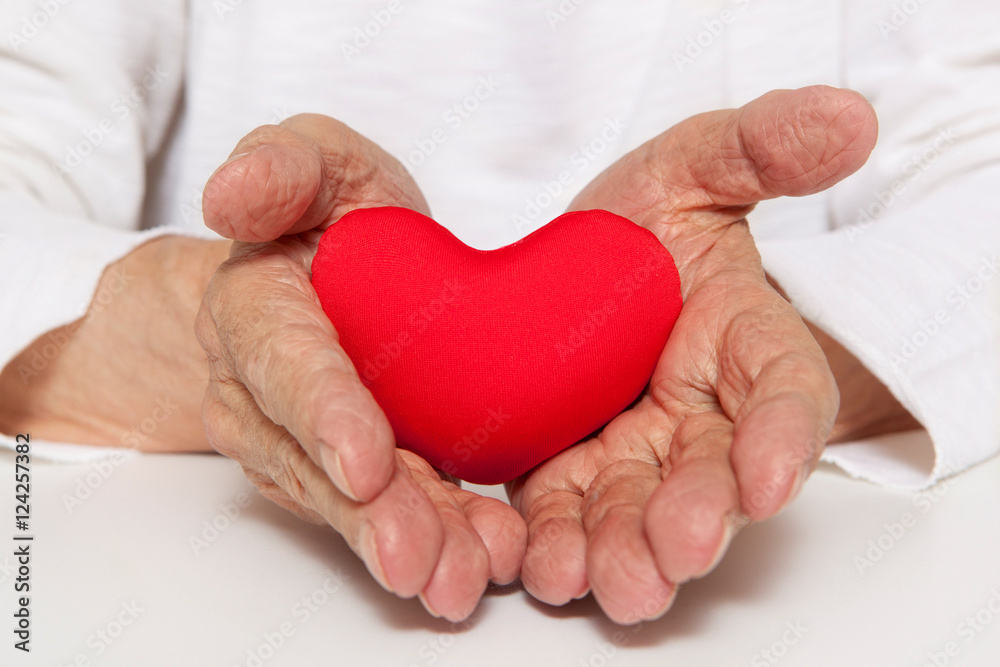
pixel 489 362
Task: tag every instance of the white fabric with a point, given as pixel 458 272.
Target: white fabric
pixel 503 111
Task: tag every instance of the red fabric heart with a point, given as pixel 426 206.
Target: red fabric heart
pixel 489 362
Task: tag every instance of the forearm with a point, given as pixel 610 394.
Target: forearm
pixel 867 408
pixel 130 371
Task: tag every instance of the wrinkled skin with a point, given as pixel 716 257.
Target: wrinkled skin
pixel 735 417
pixel 284 399
pixel 742 399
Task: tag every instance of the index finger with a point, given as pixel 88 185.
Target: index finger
pixel 274 338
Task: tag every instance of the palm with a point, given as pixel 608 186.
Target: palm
pixel 737 408
pixel 285 400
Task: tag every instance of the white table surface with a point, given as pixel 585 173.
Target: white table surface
pixel 129 544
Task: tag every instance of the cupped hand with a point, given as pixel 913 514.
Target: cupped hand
pixel 285 401
pixel 742 399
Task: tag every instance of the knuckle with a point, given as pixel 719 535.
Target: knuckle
pixel 267 488
pixel 217 419
pixel 288 464
pixel 416 464
pixel 206 332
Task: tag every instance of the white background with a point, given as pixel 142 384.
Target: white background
pixel 130 542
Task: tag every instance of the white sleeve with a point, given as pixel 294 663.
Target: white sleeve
pixel 89 92
pixel 907 279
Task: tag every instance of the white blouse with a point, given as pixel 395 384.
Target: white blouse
pixel 113 114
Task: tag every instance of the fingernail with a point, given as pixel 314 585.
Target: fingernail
pixel 225 164
pixel 234 158
pixel 427 605
pixel 369 554
pixel 334 467
pixel 727 537
pixel 800 479
pixel 801 475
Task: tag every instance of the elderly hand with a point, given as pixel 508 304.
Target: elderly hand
pixel 742 399
pixel 285 401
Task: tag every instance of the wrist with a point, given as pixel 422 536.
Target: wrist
pixel 133 352
pixel 867 407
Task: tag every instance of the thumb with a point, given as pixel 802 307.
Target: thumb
pixel 301 175
pixel 785 143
